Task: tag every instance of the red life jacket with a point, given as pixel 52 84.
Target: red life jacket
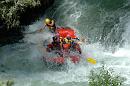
pixel 66 46
pixel 66 32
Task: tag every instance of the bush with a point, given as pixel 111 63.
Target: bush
pixel 104 77
pixel 11 9
pixel 7 83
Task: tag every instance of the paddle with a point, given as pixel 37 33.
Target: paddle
pixel 83 40
pixel 37 31
pixel 91 60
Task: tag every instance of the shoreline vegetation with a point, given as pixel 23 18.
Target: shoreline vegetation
pixel 105 77
pixel 7 83
pixel 16 13
pixel 101 76
pixel 13 11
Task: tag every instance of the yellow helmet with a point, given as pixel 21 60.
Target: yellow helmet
pixel 66 40
pixel 60 37
pixel 47 21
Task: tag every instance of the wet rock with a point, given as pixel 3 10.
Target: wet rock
pixel 16 15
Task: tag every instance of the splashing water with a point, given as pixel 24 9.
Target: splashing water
pixel 22 62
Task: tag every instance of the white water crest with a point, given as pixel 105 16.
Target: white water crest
pixel 23 62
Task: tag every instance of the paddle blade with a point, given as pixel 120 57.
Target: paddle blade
pixel 40 30
pixel 91 60
pixel 79 42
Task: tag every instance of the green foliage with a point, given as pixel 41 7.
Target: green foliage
pixel 7 83
pixel 104 77
pixel 10 10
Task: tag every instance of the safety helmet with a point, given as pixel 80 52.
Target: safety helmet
pixel 47 21
pixel 60 37
pixel 66 40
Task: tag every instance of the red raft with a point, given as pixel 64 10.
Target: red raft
pixel 63 54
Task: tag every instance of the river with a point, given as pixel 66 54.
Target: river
pixel 105 23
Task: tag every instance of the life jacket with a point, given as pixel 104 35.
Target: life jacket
pixel 65 32
pixel 66 46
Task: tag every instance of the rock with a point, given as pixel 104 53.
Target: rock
pixel 16 13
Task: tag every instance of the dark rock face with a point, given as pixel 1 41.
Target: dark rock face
pixel 8 36
pixel 30 15
pixel 14 34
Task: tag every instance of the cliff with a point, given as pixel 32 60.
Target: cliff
pixel 15 13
